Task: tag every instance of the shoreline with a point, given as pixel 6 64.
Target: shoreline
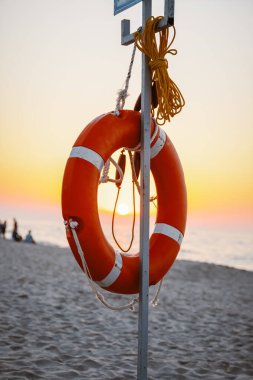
pixel 52 326
pixel 49 245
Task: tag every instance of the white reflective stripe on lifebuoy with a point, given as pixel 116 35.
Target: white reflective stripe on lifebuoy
pixel 172 232
pixel 159 144
pixel 87 155
pixel 114 274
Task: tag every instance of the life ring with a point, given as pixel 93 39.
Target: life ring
pixel 114 271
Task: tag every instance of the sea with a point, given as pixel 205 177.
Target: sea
pixel 222 245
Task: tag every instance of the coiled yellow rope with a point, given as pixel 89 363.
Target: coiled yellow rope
pixel 170 98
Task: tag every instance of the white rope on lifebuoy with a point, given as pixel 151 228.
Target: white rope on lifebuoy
pixel 105 175
pixel 72 224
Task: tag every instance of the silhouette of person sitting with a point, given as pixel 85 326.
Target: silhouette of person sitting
pixel 3 228
pixel 15 234
pixel 29 238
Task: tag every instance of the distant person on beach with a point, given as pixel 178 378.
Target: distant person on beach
pixel 3 228
pixel 15 234
pixel 29 238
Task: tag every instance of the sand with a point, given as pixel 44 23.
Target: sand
pixel 52 327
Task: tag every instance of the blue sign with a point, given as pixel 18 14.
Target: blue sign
pixel 122 5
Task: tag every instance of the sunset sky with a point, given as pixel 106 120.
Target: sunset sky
pixel 61 66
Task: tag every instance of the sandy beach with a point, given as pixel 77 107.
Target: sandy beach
pixel 52 327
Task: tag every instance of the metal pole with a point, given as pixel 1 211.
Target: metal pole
pixel 144 208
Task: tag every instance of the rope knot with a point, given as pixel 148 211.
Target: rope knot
pixel 158 63
pixel 73 224
pixel 122 95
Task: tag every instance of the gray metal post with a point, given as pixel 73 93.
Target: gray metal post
pixel 126 39
pixel 144 208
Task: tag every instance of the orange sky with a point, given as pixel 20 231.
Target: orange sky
pixel 56 75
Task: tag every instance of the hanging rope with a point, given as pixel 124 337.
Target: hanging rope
pixel 105 178
pixel 134 211
pixel 72 224
pixel 123 94
pixel 170 98
pixel 130 305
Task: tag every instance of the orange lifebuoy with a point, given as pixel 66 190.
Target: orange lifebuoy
pixel 114 271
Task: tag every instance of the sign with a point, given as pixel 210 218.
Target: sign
pixel 122 5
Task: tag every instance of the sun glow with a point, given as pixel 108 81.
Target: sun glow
pixel 123 209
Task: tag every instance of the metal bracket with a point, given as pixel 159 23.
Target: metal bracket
pixel 127 38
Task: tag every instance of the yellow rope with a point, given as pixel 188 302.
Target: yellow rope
pixel 170 99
